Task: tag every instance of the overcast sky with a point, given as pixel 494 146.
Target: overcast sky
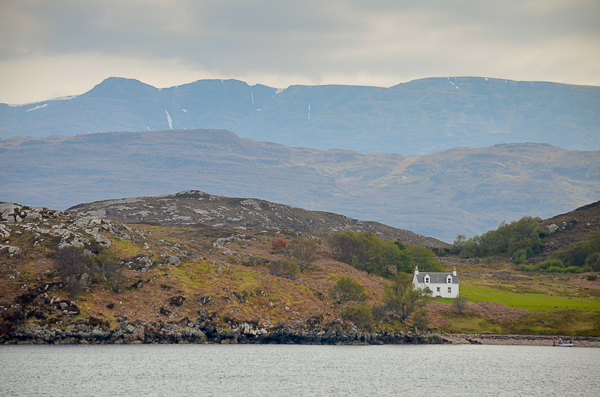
pixel 62 47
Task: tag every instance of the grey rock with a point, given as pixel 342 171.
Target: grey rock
pixel 33 216
pixel 173 260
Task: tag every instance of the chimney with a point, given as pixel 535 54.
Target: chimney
pixel 454 271
pixel 416 270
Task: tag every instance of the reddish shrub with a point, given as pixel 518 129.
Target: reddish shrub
pixel 279 245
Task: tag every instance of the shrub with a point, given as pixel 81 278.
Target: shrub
pixel 279 245
pixel 283 268
pixel 378 311
pixel 360 315
pixel 346 290
pixel 420 320
pixel 71 263
pixel 303 251
pixel 593 261
pixel 460 304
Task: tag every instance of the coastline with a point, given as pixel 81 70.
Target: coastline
pixel 144 333
pixel 516 340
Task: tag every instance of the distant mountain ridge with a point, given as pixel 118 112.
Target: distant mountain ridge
pixel 418 117
pixel 458 191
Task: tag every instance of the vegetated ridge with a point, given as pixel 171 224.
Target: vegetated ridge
pixel 418 117
pixel 201 209
pixel 460 190
pixel 72 278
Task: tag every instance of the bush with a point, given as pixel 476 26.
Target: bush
pixel 106 267
pixel 378 311
pixel 360 315
pixel 346 290
pixel 593 261
pixel 303 251
pixel 72 263
pixel 283 268
pixel 77 269
pixel 460 304
pixel 279 245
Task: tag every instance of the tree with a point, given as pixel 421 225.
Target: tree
pixel 107 267
pixel 346 290
pixel 366 251
pixel 400 298
pixel 524 236
pixel 416 255
pixel 459 304
pixel 303 251
pixel 71 263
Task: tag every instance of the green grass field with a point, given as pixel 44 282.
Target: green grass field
pixel 527 300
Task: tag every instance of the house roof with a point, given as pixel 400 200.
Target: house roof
pixel 435 278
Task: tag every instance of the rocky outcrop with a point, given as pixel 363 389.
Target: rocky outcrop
pixel 194 207
pixel 200 332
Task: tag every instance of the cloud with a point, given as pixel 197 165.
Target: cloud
pixel 311 42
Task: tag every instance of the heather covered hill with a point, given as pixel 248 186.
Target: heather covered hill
pixel 417 117
pixel 199 208
pixel 462 190
pixel 69 278
pixel 571 228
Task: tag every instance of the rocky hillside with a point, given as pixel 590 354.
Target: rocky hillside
pixel 466 191
pixel 67 278
pixel 572 227
pixel 204 210
pixel 175 285
pixel 418 117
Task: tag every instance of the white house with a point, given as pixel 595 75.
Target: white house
pixel 443 285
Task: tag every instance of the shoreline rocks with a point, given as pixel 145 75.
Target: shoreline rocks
pixel 144 333
pixel 518 340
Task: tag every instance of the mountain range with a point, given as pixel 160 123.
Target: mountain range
pixel 458 191
pixel 418 117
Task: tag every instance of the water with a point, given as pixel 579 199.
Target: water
pixel 293 370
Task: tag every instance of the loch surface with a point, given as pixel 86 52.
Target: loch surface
pixel 297 370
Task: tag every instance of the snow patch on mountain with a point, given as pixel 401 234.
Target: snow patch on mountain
pixel 169 120
pixel 37 107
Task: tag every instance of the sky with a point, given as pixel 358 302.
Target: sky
pixel 58 48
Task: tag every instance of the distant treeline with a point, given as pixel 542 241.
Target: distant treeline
pixel 366 251
pixel 523 239
pixel 583 256
pixel 519 239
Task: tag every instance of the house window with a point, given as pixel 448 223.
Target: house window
pixel 426 279
pixel 438 289
pixel 449 280
pixel 449 290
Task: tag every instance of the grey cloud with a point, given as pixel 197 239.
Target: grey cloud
pixel 312 38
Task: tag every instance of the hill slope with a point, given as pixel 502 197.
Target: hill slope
pixel 202 209
pixel 179 284
pixel 441 195
pixel 571 227
pixel 418 117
